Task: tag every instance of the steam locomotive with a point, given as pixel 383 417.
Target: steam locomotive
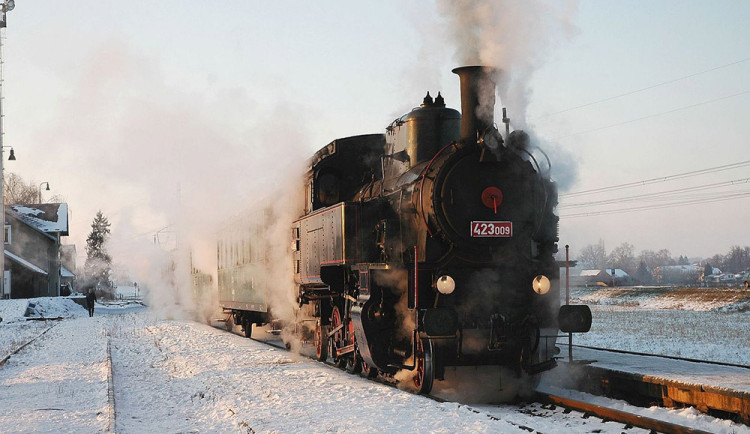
pixel 427 247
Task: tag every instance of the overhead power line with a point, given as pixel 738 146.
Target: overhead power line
pixel 719 198
pixel 640 90
pixel 653 115
pixel 657 195
pixel 659 179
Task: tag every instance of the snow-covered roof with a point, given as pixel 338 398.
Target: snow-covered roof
pixel 25 263
pixel 618 272
pixel 685 268
pixel 45 217
pixel 590 273
pixel 64 272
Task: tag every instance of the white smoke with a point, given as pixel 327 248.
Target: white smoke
pixel 515 37
pixel 154 156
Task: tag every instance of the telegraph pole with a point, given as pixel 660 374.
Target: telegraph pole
pixel 5 6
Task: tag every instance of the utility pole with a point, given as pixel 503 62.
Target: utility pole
pixel 5 6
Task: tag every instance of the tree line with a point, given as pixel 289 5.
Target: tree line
pixel 595 256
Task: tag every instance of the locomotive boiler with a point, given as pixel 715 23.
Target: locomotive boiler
pixel 433 245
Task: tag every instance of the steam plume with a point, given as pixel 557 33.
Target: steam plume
pixel 515 37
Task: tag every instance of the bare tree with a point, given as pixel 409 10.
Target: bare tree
pixel 17 191
pixel 623 257
pixel 737 260
pixel 664 256
pixel 593 256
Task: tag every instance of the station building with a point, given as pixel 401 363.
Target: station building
pixel 36 264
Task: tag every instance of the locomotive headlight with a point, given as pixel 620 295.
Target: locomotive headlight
pixel 446 284
pixel 540 285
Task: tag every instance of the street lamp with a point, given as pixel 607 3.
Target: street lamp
pixel 40 190
pixel 5 6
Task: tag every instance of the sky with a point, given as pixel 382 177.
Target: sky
pixel 164 112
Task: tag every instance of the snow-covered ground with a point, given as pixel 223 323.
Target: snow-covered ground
pixel 696 323
pixel 182 376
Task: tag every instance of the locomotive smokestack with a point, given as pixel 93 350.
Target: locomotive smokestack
pixel 477 100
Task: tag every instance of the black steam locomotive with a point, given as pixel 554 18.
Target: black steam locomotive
pixel 430 246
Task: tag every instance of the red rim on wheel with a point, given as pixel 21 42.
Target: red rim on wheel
pixel 419 361
pixel 338 337
pixel 337 341
pixel 424 365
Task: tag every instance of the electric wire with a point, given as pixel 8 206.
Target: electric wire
pixel 658 179
pixel 721 198
pixel 652 115
pixel 656 195
pixel 639 90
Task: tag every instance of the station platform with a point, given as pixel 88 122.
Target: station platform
pixel 643 380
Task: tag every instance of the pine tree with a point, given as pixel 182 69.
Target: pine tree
pixel 98 265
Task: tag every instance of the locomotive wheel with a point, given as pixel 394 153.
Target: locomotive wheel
pixel 354 361
pixel 321 342
pixel 425 366
pixel 337 340
pixel 230 323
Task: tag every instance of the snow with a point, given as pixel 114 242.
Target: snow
pixel 63 386
pixel 689 417
pixel 46 217
pixel 27 210
pixel 180 376
pixel 696 323
pixel 127 291
pixel 618 272
pixel 64 272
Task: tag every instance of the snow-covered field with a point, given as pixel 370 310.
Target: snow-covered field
pixel 182 376
pixel 697 323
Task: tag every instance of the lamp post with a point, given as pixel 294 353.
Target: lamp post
pixel 40 189
pixel 5 6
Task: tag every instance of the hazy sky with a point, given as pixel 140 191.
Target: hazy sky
pixel 151 111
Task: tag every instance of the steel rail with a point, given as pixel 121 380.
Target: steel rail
pixel 17 350
pixel 620 416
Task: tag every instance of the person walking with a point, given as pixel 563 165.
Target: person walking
pixel 90 300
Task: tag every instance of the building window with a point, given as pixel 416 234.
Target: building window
pixel 7 234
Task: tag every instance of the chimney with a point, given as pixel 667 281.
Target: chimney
pixel 477 100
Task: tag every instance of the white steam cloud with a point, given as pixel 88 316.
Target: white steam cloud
pixel 516 37
pixel 152 155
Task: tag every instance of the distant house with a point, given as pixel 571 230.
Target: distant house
pixel 604 277
pixel 33 266
pixel 678 274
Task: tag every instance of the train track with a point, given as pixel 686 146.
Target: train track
pixel 29 342
pixel 588 409
pixel 606 413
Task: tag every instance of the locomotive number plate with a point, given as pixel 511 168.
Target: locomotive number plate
pixel 492 229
